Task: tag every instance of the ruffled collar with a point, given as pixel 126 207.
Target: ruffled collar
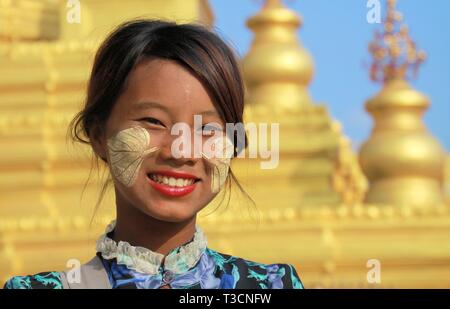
pixel 143 260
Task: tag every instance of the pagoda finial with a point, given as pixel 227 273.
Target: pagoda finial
pixel 393 50
pixel 272 3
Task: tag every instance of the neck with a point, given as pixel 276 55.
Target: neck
pixel 140 229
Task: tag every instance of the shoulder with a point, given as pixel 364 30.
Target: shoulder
pixel 42 280
pixel 249 274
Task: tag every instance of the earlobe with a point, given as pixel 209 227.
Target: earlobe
pixel 99 150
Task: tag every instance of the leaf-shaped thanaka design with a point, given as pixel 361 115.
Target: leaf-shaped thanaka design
pixel 127 150
pixel 223 151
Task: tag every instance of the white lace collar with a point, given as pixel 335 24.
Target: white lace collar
pixel 144 260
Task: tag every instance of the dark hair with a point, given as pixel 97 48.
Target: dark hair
pixel 193 46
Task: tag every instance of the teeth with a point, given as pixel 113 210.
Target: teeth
pixel 171 181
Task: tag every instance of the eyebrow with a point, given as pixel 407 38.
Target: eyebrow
pixel 149 104
pixel 210 112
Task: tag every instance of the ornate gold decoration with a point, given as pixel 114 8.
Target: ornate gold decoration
pixel 393 50
pixel 348 179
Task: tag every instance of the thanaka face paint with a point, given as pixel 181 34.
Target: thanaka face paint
pixel 220 158
pixel 127 150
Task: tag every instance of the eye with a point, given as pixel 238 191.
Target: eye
pixel 208 129
pixel 153 121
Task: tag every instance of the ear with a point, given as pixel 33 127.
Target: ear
pixel 98 142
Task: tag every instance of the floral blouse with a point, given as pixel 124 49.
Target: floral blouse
pixel 192 265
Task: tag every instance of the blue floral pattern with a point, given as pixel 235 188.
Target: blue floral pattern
pixel 213 271
pixel 44 280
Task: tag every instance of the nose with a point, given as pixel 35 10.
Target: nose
pixel 179 150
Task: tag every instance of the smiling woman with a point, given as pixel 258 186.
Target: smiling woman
pixel 148 77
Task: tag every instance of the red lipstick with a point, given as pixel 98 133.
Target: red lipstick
pixel 172 191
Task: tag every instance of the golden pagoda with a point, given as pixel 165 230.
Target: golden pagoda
pixel 316 210
pixel 277 71
pixel 402 160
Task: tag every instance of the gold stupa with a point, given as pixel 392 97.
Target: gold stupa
pixel 277 71
pixel 317 210
pixel 402 160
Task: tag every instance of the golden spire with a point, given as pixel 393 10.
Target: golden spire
pixel 272 3
pixel 277 69
pixel 393 50
pixel 277 72
pixel 403 162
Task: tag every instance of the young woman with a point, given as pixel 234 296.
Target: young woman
pixel 149 79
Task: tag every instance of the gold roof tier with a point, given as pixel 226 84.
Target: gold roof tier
pixel 29 20
pixel 35 20
pixel 403 162
pixel 98 17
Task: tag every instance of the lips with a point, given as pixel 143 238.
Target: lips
pixel 172 183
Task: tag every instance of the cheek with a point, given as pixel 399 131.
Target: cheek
pixel 218 158
pixel 217 173
pixel 127 150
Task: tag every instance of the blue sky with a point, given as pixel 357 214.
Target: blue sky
pixel 337 34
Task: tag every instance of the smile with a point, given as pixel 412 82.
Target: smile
pixel 172 183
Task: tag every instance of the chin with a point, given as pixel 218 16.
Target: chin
pixel 170 212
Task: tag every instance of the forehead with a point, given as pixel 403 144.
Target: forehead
pixel 167 83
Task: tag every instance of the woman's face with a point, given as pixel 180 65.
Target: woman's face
pixel 137 142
